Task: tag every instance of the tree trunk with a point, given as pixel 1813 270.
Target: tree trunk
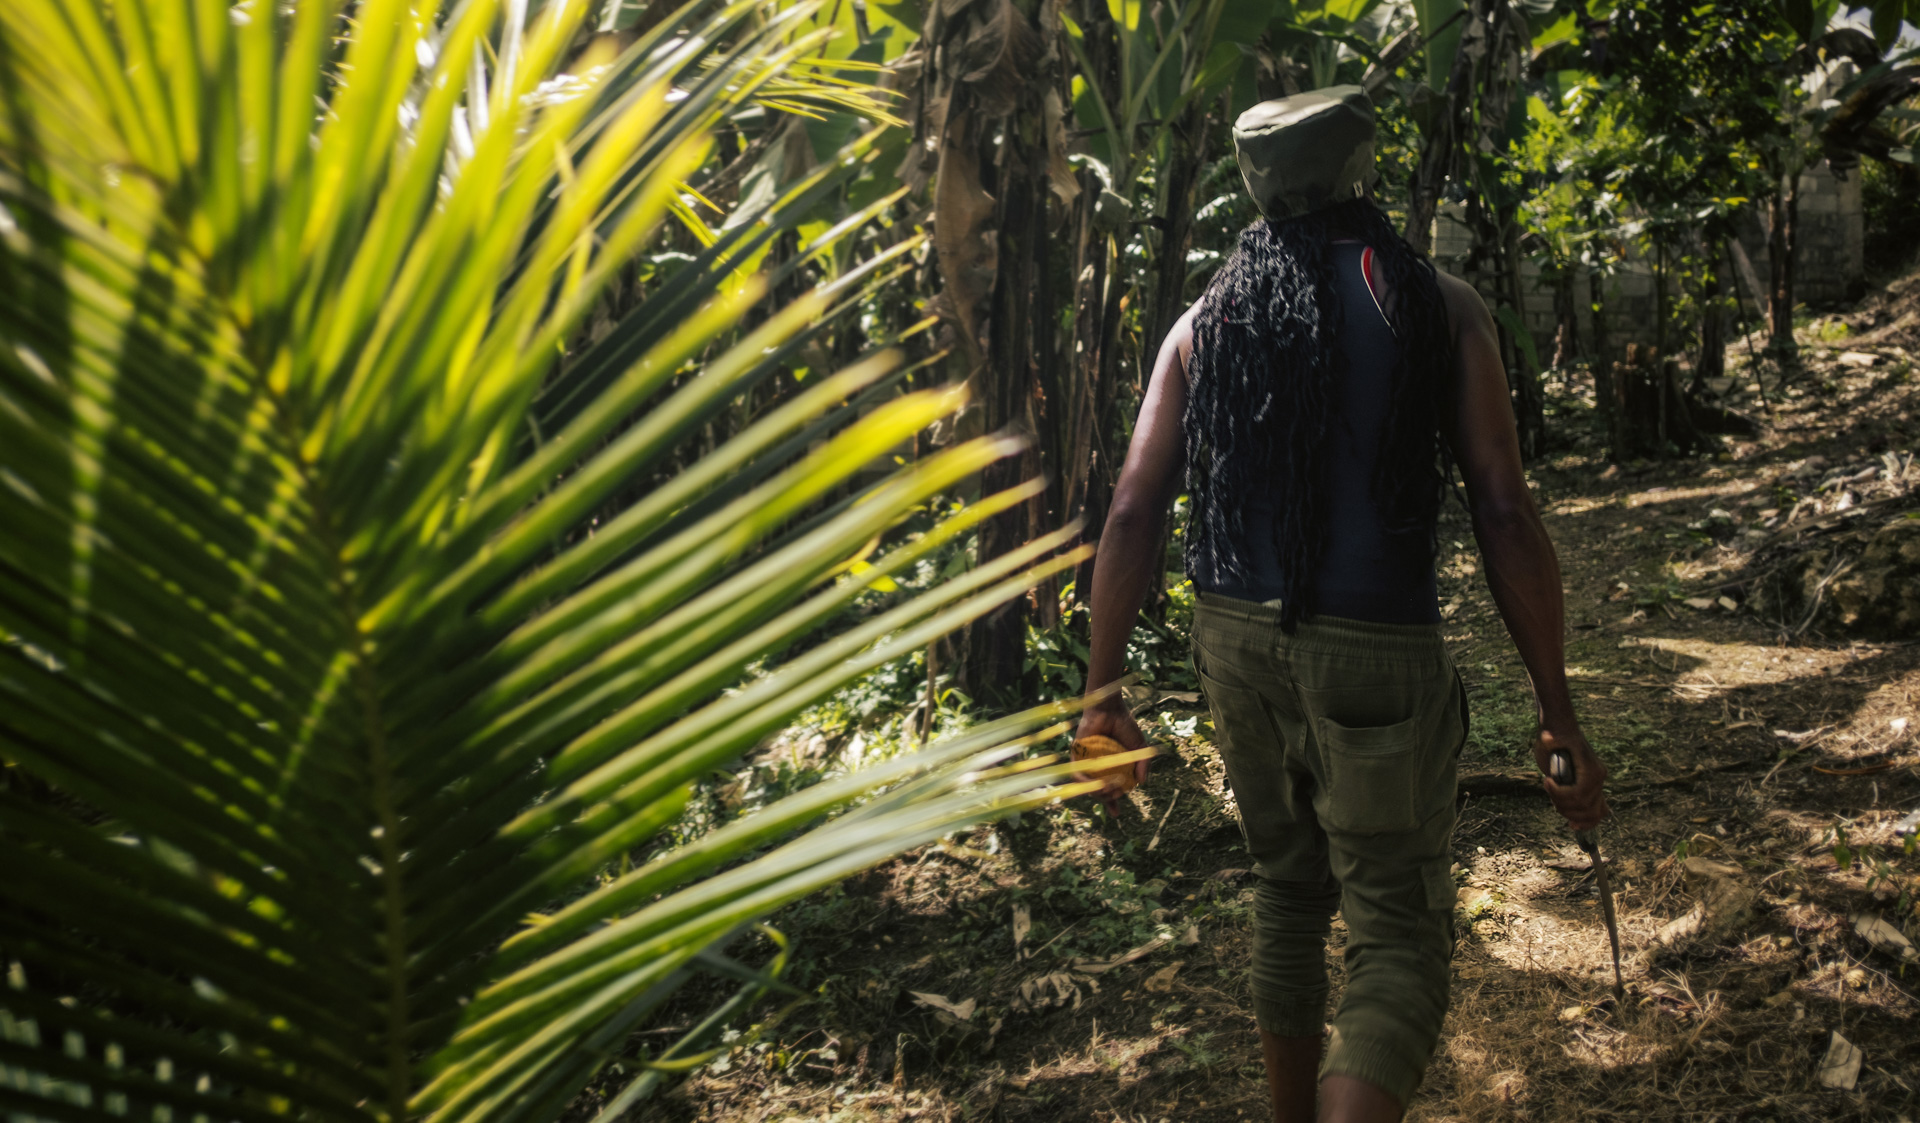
pixel 1016 336
pixel 1712 361
pixel 1783 213
pixel 988 121
pixel 1605 394
pixel 1657 418
pixel 1440 147
pixel 1529 403
pixel 1566 334
pixel 1662 306
pixel 1186 153
pixel 1095 463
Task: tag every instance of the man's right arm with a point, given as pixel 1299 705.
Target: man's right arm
pixel 1522 570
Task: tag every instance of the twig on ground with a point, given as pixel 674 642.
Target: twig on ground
pixel 1155 840
pixel 1820 590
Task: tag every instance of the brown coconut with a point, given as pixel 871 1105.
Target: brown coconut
pixel 1120 777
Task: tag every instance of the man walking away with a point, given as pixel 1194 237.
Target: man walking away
pixel 1315 395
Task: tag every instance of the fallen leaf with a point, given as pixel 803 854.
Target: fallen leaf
pixel 1022 924
pixel 1191 935
pixel 1701 603
pixel 1161 981
pixel 1101 966
pixel 1883 936
pixel 940 1002
pixel 1709 869
pixel 1685 928
pixel 961 850
pixel 1056 988
pixel 1840 1068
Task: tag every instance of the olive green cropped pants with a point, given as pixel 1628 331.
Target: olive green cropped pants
pixel 1340 743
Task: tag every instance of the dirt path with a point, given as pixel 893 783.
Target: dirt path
pixel 1736 752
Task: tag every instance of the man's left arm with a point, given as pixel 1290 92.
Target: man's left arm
pixel 1128 559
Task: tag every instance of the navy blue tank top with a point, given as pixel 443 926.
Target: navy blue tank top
pixel 1367 572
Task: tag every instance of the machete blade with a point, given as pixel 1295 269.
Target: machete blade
pixel 1560 769
pixel 1591 845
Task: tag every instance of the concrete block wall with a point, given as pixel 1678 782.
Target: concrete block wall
pixel 1830 265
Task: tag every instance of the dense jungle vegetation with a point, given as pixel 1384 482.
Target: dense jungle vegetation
pixel 543 545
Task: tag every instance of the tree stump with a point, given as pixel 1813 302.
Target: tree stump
pixel 1657 416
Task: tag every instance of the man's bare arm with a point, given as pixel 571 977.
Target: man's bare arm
pixel 1127 563
pixel 1522 569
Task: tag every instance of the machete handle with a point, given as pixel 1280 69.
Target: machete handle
pixel 1560 768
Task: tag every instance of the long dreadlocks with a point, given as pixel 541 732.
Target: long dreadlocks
pixel 1262 385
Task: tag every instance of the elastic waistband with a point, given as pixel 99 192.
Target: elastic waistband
pixel 1331 634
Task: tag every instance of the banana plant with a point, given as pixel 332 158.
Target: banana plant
pixel 359 619
pixel 1162 61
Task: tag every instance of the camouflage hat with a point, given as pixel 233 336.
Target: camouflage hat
pixel 1305 152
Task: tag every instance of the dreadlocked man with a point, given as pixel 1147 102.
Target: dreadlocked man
pixel 1316 394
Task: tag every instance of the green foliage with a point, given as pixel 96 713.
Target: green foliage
pixel 369 617
pixel 1890 201
pixel 1200 1051
pixel 1504 716
pixel 1569 167
pixel 1103 912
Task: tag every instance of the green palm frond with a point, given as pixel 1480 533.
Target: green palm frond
pixel 354 609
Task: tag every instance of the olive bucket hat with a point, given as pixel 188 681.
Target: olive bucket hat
pixel 1305 152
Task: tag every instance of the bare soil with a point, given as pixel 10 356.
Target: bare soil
pixel 1737 747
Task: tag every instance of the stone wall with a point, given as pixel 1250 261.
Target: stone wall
pixel 1830 265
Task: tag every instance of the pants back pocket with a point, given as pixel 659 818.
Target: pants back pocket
pixel 1373 775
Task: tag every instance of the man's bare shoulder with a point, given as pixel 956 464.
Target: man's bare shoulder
pixel 1181 335
pixel 1460 296
pixel 1464 305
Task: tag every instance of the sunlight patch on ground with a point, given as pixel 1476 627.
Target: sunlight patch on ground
pixel 1578 506
pixel 1662 495
pixel 1724 663
pixel 1544 942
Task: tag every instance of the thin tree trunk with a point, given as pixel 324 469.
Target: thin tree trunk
pixel 1657 367
pixel 1605 392
pixel 1440 147
pixel 1186 152
pixel 1528 401
pixel 1566 334
pixel 1743 272
pixel 1100 364
pixel 1712 362
pixel 1783 212
pixel 1661 305
pixel 933 672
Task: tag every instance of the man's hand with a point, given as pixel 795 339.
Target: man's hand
pixel 1111 718
pixel 1583 802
